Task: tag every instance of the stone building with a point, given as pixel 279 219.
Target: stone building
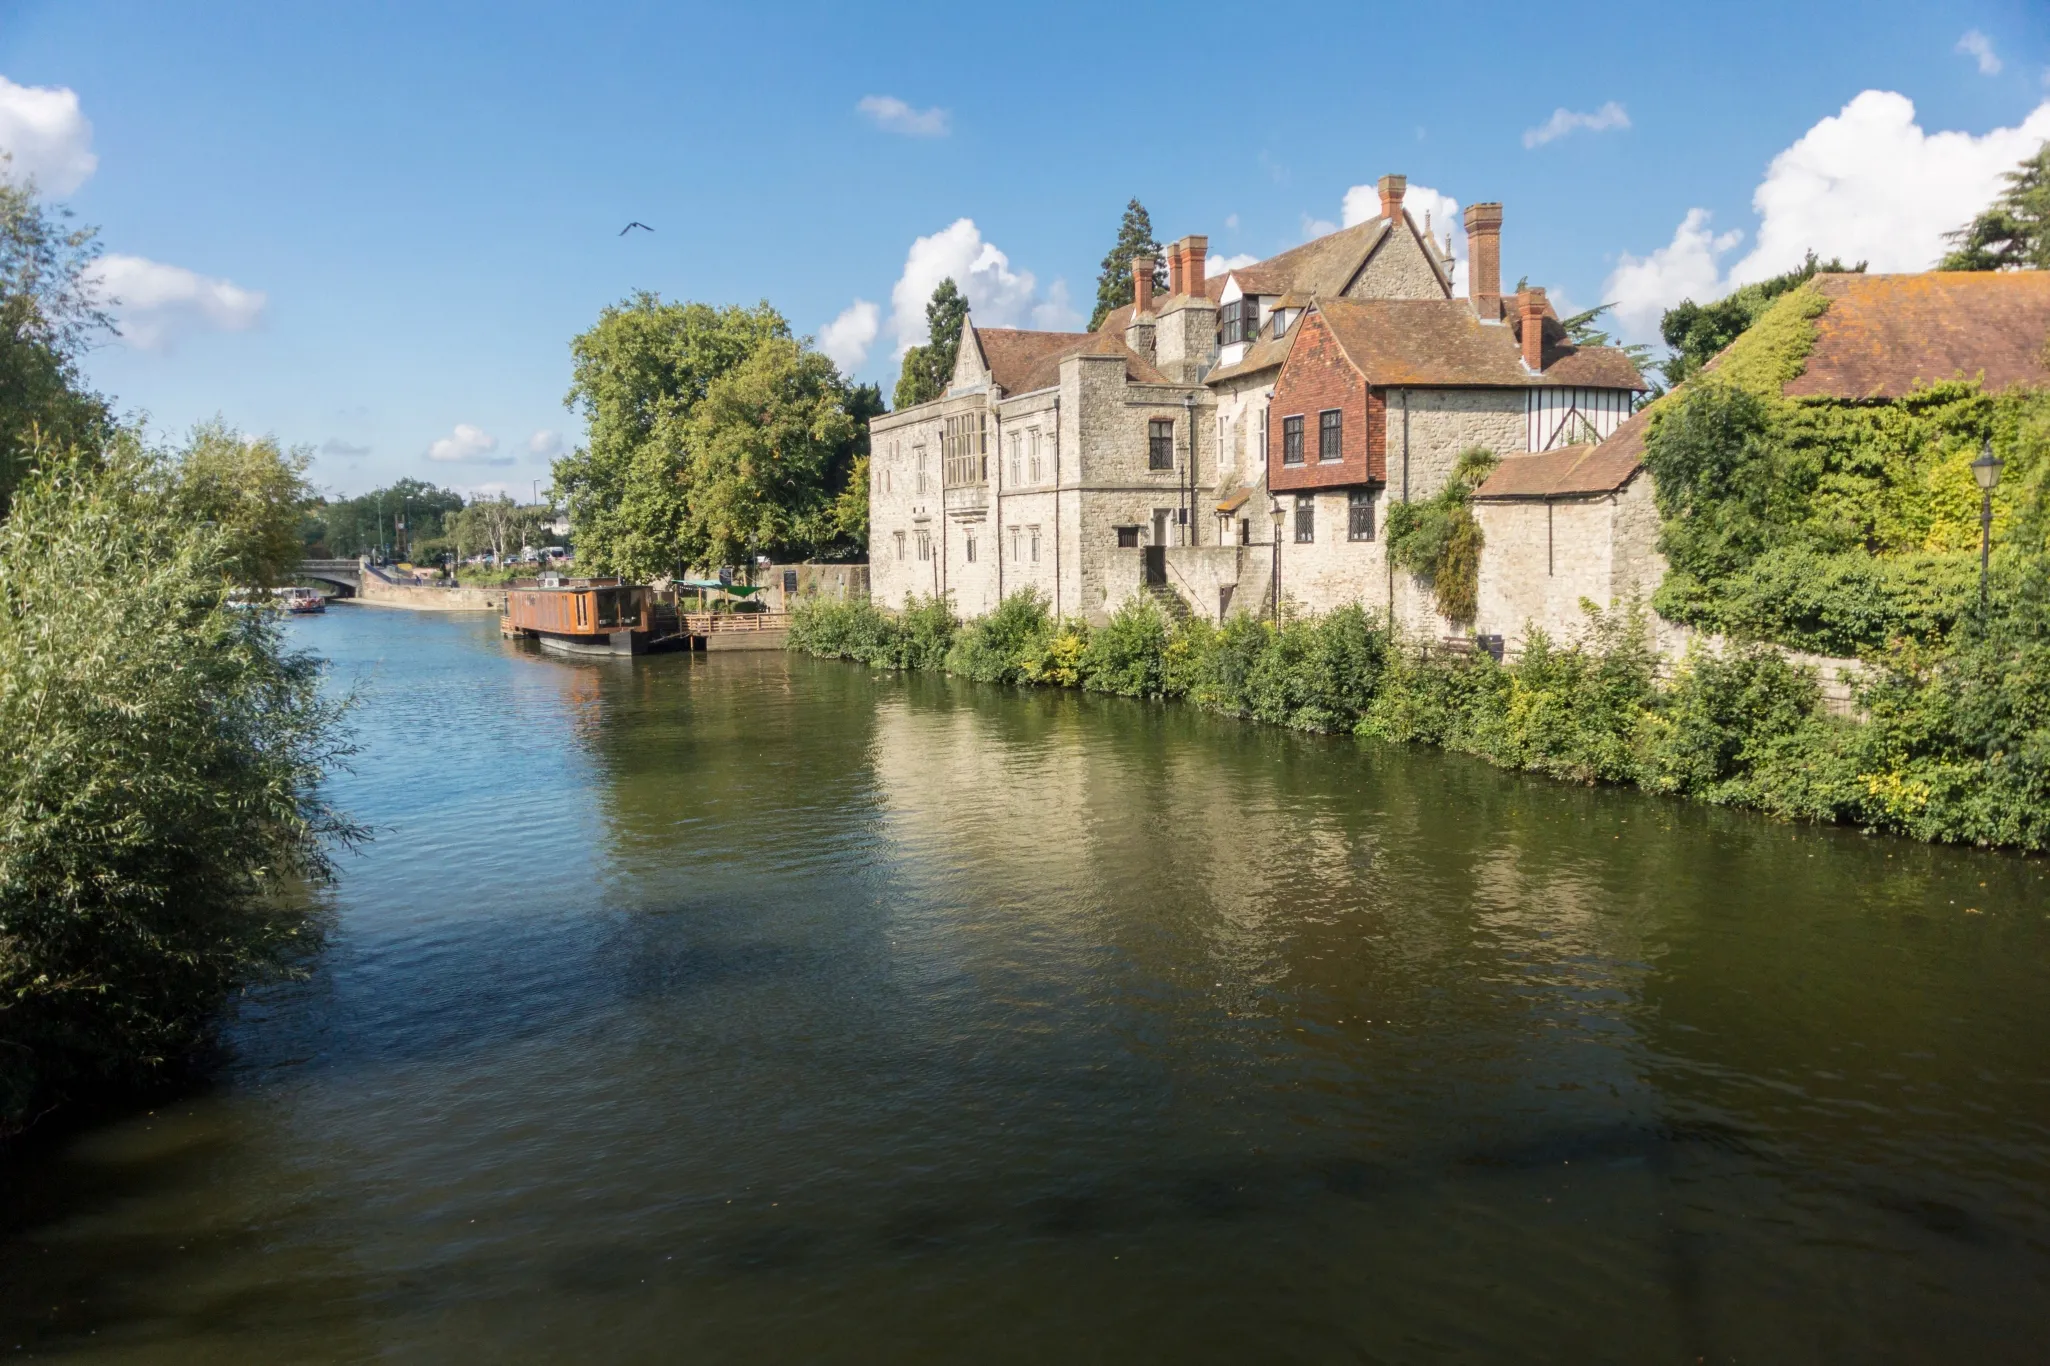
pixel 1153 454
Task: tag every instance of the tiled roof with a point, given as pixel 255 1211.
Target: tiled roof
pixel 1426 342
pixel 1886 335
pixel 1324 266
pixel 1021 362
pixel 1013 354
pixel 1563 473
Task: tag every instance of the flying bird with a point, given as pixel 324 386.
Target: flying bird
pixel 635 224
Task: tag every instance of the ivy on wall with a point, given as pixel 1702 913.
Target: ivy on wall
pixel 1439 541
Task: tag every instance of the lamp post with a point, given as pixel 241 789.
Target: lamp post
pixel 1274 579
pixel 1986 470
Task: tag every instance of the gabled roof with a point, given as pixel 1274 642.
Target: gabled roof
pixel 1440 343
pixel 1567 472
pixel 1021 361
pixel 1887 335
pixel 1265 353
pixel 1323 266
pixel 1012 353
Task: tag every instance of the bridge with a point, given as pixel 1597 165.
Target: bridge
pixel 346 575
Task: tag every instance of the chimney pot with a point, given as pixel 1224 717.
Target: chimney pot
pixel 1142 285
pixel 1530 304
pixel 1392 188
pixel 1484 258
pixel 1194 250
pixel 1174 269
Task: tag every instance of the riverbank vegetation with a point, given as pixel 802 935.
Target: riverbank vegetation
pixel 160 808
pixel 1952 747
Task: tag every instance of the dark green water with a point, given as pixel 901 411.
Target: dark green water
pixel 757 1009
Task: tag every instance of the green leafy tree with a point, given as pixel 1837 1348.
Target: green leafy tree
pixel 160 807
pixel 762 448
pixel 1583 329
pixel 1114 280
pixel 49 315
pixel 2014 231
pixel 253 491
pixel 928 369
pixel 1696 332
pixel 638 377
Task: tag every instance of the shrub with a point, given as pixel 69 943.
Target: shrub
pixel 993 649
pixel 854 629
pixel 1054 658
pixel 1127 656
pixel 925 634
pixel 159 800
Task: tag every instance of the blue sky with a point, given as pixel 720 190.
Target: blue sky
pixel 372 229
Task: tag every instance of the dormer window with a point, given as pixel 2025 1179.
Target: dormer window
pixel 1281 317
pixel 1239 321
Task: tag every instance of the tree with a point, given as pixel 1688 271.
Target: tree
pixel 2014 231
pixel 1114 281
pixel 253 491
pixel 1581 330
pixel 498 525
pixel 1696 332
pixel 762 447
pixel 928 369
pixel 637 379
pixel 49 316
pixel 159 789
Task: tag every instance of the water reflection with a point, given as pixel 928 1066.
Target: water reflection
pixel 758 1008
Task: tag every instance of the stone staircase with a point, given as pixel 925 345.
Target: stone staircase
pixel 1172 604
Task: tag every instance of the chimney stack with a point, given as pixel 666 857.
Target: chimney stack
pixel 1174 269
pixel 1484 258
pixel 1530 303
pixel 1194 249
pixel 1391 187
pixel 1142 285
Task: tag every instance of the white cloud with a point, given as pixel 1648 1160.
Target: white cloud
pixel 1231 222
pixel 997 295
pixel 894 115
pixel 1977 45
pixel 846 339
pixel 1217 265
pixel 1314 228
pixel 155 304
pixel 1688 267
pixel 1564 121
pixel 1865 184
pixel 345 450
pixel 43 130
pixel 467 445
pixel 545 444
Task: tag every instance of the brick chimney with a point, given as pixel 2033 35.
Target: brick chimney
pixel 1174 269
pixel 1530 304
pixel 1142 285
pixel 1391 187
pixel 1194 249
pixel 1484 257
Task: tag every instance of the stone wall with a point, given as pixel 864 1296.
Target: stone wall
pixel 901 504
pixel 380 592
pixel 1440 423
pixel 1398 269
pixel 837 582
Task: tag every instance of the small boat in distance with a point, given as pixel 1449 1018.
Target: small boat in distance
pixel 302 602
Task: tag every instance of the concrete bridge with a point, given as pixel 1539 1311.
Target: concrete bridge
pixel 346 575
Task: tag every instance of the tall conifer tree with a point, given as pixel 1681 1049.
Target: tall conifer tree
pixel 928 368
pixel 1114 283
pixel 2014 231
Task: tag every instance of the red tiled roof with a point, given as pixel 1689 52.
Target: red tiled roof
pixel 1425 342
pixel 1887 335
pixel 1013 353
pixel 1564 473
pixel 1322 266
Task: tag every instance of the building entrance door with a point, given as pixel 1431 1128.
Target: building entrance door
pixel 1154 559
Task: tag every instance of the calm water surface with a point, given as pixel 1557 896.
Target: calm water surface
pixel 759 1009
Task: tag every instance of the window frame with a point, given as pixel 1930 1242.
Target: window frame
pixel 1034 538
pixel 1157 441
pixel 1359 508
pixel 900 538
pixel 1305 519
pixel 1292 440
pixel 1330 436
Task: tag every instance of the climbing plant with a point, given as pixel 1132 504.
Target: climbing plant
pixel 1438 540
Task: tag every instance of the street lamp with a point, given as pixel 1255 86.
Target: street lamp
pixel 1986 469
pixel 1274 580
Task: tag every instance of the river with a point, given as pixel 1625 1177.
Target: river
pixel 752 1008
